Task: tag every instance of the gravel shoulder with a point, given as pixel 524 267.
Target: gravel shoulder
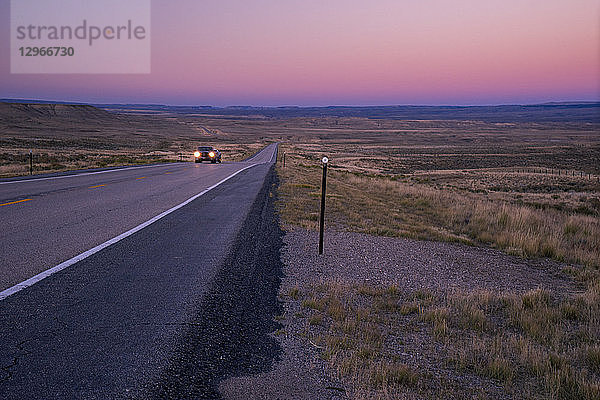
pixel 299 373
pixel 361 259
pixel 413 265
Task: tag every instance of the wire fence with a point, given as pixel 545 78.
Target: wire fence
pixel 558 172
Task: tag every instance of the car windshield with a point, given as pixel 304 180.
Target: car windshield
pixel 204 148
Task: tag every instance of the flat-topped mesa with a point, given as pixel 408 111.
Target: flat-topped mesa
pixel 18 111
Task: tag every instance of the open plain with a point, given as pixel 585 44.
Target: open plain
pixel 461 255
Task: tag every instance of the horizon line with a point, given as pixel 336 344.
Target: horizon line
pixel 67 102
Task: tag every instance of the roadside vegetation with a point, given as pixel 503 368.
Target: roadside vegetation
pixel 530 345
pixel 560 225
pixel 537 344
pixel 15 161
pixel 68 137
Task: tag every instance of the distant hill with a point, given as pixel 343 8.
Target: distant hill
pixel 549 112
pixel 12 112
pixel 564 112
pixel 26 124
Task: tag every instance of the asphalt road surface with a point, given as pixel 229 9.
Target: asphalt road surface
pixel 47 220
pixel 166 312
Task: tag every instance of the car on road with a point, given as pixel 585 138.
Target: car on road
pixel 207 153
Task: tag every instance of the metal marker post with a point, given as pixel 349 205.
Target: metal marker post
pixel 323 190
pixel 30 162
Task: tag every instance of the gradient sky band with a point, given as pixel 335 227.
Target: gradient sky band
pixel 340 52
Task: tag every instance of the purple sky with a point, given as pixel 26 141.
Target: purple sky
pixel 344 52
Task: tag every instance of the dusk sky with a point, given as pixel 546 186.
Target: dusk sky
pixel 346 52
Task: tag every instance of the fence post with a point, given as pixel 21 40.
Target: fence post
pixel 323 191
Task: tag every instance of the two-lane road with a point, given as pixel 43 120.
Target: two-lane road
pixel 153 313
pixel 47 220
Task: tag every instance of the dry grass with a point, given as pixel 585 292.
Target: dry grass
pixel 77 137
pixel 489 345
pixel 15 162
pixel 522 343
pixel 383 206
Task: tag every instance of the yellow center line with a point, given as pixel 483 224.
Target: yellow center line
pixel 14 202
pixel 167 173
pixel 94 187
pixel 143 177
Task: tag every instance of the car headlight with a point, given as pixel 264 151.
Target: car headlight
pixel 211 154
pixel 197 154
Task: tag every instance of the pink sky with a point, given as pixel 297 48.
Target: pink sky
pixel 347 52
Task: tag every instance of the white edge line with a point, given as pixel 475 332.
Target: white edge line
pixel 274 152
pixel 85 173
pixel 42 275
